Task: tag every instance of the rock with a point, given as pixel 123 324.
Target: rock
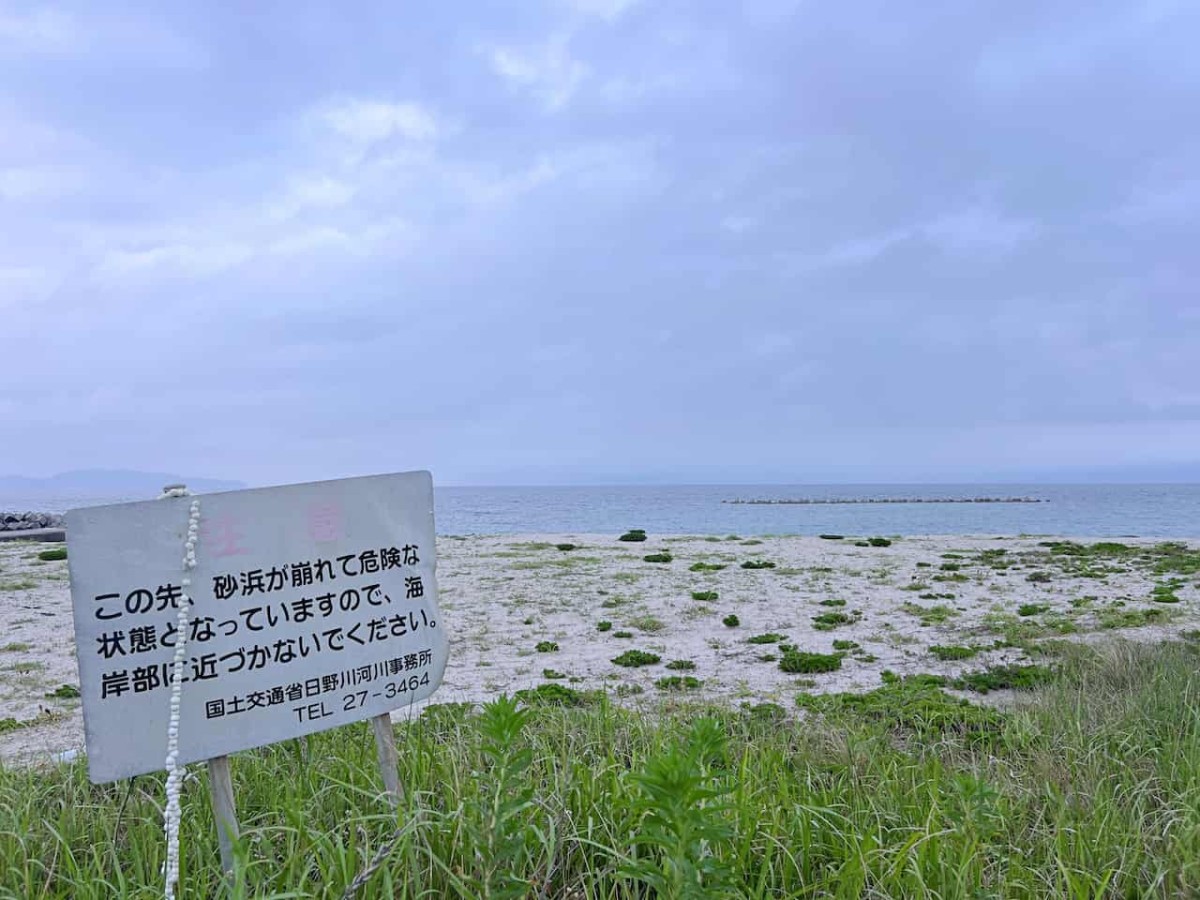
pixel 29 521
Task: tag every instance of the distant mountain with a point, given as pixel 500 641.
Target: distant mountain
pixel 108 483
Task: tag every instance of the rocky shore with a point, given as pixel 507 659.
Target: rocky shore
pixel 29 521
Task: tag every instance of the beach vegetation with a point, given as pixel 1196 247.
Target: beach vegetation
pixel 681 665
pixel 663 557
pixel 832 601
pixel 831 537
pixel 704 596
pixel 950 653
pixel 758 564
pixel 705 567
pixel 546 647
pixel 647 623
pixel 622 634
pixel 637 658
pixel 604 625
pixel 678 683
pixel 930 615
pixel 53 555
pixel 846 645
pixel 800 662
pixel 1032 609
pixel 731 621
pixel 634 535
pixel 830 620
pixel 879 542
pixel 566 547
pixel 769 637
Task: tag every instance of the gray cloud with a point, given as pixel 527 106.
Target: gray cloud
pixel 603 240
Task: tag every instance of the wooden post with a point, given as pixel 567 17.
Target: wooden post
pixel 220 785
pixel 389 762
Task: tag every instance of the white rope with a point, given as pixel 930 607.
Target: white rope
pixel 175 773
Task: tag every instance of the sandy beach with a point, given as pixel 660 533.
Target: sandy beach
pixel 991 599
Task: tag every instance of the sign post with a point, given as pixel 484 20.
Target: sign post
pixel 311 606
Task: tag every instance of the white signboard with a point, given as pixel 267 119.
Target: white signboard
pixel 312 606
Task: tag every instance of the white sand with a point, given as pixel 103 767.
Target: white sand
pixel 501 595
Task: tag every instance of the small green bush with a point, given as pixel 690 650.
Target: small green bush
pixel 52 555
pixel 705 567
pixel 1032 609
pixel 832 601
pixel 731 621
pixel 705 596
pixel 758 564
pixel 798 662
pixel 622 634
pixel 678 683
pixel 605 625
pixel 831 620
pixel 553 674
pixel 879 542
pixel 555 695
pixel 546 647
pixel 635 658
pixel 846 645
pixel 63 692
pixel 634 535
pixel 658 557
pixel 681 665
pixel 565 547
pixel 1014 677
pixel 769 637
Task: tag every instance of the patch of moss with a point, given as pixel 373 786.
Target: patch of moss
pixel 831 620
pixel 636 658
pixel 930 615
pixel 799 662
pixel 769 637
pixel 678 683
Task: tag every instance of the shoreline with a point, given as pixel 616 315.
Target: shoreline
pixel 995 598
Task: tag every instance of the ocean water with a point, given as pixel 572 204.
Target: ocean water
pixel 1109 510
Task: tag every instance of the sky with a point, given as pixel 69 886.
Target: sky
pixel 581 241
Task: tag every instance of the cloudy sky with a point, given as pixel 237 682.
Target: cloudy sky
pixel 601 240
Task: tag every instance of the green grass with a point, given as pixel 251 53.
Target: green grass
pixel 1012 677
pixel 1032 609
pixel 546 647
pixel 16 647
pixel 758 564
pixel 705 567
pixel 53 555
pixel 648 624
pixel 799 662
pixel 681 665
pixel 21 584
pixel 604 625
pixel 832 601
pixel 678 683
pixel 830 620
pixel 636 658
pixel 658 557
pixel 930 615
pixel 769 637
pixel 704 596
pixel 1088 790
pixel 622 634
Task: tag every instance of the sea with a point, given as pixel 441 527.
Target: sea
pixel 1074 510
